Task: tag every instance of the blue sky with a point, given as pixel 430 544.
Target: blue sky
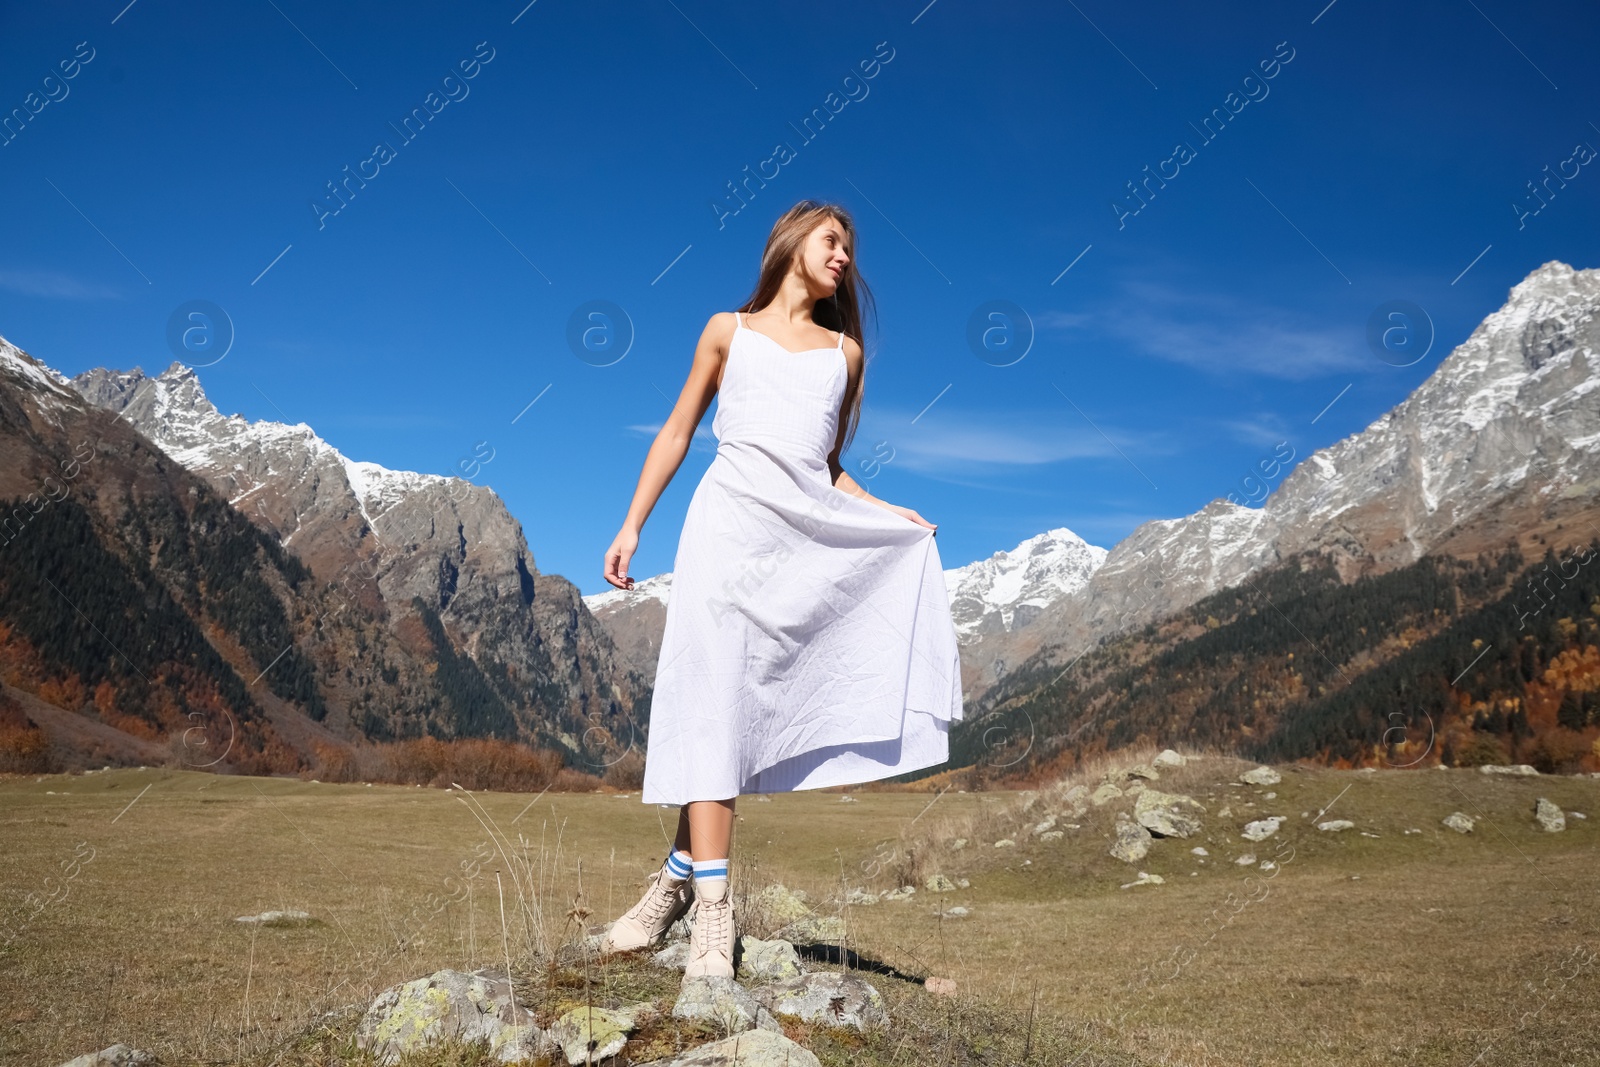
pixel 1169 349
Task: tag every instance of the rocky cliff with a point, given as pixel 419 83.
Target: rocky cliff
pixel 437 559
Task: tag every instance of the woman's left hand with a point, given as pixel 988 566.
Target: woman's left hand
pixel 913 516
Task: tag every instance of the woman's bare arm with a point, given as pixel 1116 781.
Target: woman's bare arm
pixel 841 480
pixel 672 442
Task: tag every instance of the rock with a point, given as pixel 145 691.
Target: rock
pixel 1052 835
pixel 1144 770
pixel 1269 796
pixel 938 883
pixel 592 938
pixel 675 957
pixel 1144 879
pixel 957 912
pixel 468 1007
pixel 1105 792
pixel 1460 823
pixel 766 961
pixel 1225 813
pixel 754 1048
pixel 278 918
pixel 1169 758
pixel 829 998
pixel 1077 794
pixel 1005 842
pixel 779 904
pixel 860 896
pixel 1199 850
pixel 1577 815
pixel 903 893
pixel 1167 814
pixel 1246 860
pixel 1335 825
pixel 1133 840
pixel 1549 817
pixel 814 929
pixel 940 987
pixel 958 844
pixel 1261 776
pixel 589 1034
pixel 1523 770
pixel 723 1001
pixel 848 800
pixel 120 1055
pixel 962 883
pixel 1134 787
pixel 1261 829
pixel 1044 826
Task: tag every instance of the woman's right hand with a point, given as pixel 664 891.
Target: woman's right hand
pixel 618 556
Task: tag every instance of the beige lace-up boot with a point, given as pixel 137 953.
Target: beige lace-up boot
pixel 663 903
pixel 712 933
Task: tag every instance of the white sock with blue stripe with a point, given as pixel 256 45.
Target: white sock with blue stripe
pixel 708 871
pixel 679 865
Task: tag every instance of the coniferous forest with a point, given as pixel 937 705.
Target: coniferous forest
pixel 1460 662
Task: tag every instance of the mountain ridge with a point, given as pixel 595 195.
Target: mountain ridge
pixel 437 562
pixel 1383 496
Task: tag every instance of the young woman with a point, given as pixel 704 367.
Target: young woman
pixel 808 638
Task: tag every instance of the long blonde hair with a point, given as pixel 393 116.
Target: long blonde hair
pixel 842 310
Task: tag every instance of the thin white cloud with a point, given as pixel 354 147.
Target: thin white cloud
pixel 1221 333
pixel 969 442
pixel 1266 430
pixel 54 285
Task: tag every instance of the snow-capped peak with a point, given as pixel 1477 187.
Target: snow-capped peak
pixel 50 385
pixel 172 409
pixel 1009 589
pixel 657 587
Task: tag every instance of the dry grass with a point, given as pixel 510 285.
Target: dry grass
pixel 1426 949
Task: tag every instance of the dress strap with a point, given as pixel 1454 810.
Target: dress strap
pixel 841 341
pixel 738 319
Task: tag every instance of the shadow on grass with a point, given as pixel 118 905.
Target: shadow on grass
pixel 854 961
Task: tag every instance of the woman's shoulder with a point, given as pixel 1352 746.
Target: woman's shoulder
pixel 722 324
pixel 719 330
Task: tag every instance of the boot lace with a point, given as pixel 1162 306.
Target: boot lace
pixel 712 927
pixel 657 903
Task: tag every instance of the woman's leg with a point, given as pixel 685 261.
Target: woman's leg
pixel 666 898
pixel 680 843
pixel 712 936
pixel 709 826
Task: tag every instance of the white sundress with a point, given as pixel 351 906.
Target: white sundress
pixel 808 636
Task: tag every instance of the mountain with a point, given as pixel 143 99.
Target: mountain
pixel 1504 434
pixel 635 619
pixel 416 595
pixel 1010 590
pixel 138 612
pixel 440 559
pixel 1401 534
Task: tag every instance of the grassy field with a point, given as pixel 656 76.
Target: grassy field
pixel 120 891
